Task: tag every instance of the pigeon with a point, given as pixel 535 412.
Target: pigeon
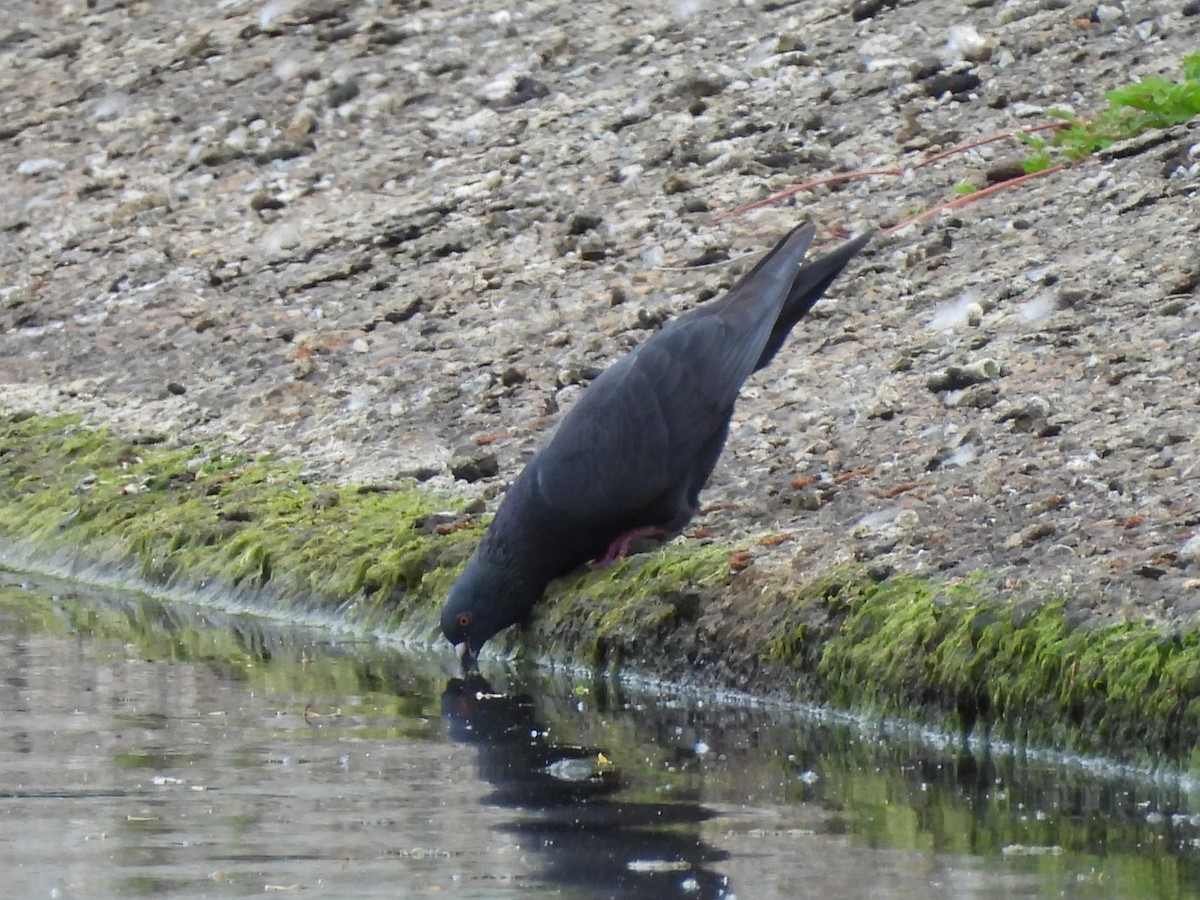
pixel 630 457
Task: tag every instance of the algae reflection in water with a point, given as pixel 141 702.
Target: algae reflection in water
pixel 156 748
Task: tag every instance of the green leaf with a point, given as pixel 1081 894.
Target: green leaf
pixel 1037 163
pixel 1031 140
pixel 1132 109
pixel 1191 67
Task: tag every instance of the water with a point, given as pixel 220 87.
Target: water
pixel 152 750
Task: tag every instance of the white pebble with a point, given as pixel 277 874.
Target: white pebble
pixel 39 165
pixel 962 310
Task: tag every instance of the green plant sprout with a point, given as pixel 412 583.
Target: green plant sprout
pixel 1132 109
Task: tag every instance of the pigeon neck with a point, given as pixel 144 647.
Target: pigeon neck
pixel 520 564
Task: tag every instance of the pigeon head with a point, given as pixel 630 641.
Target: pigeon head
pixel 485 600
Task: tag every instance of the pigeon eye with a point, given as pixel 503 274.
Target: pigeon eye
pixel 464 619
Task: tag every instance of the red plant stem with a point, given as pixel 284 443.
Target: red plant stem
pixel 894 171
pixel 972 197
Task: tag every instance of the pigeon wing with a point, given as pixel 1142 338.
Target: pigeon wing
pixel 643 426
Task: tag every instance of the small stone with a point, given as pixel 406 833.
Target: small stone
pixel 979 396
pixel 1190 551
pixel 795 58
pixel 341 93
pixel 956 84
pixel 1027 537
pixel 925 67
pixel 964 42
pixel 955 378
pixel 592 248
pixel 512 376
pixel 1005 170
pixel 39 166
pixel 861 10
pixel 676 184
pixel 474 466
pixel 444 62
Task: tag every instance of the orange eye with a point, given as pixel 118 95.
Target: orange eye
pixel 464 619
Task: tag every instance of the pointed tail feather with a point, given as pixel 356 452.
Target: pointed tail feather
pixel 792 245
pixel 811 282
pixel 773 276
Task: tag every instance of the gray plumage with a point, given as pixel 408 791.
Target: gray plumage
pixel 634 451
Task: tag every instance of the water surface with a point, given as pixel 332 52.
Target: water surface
pixel 154 749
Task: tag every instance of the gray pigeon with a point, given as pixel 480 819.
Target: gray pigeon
pixel 630 457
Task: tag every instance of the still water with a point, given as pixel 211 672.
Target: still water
pixel 166 750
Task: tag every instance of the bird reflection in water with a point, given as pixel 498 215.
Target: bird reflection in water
pixel 587 836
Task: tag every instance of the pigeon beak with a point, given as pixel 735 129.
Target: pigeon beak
pixel 466 658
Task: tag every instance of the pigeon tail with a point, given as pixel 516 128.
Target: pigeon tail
pixel 809 285
pixel 768 282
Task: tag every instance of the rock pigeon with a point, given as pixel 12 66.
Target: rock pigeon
pixel 630 457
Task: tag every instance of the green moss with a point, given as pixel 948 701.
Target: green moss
pixel 1024 671
pixel 200 518
pixel 624 613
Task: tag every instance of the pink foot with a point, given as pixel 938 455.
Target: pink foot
pixel 619 548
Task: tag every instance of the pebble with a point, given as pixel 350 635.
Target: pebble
pixel 40 166
pixel 1189 551
pixel 964 42
pixel 474 464
pixel 958 377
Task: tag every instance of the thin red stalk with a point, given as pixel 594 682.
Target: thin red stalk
pixel 894 171
pixel 797 188
pixel 972 197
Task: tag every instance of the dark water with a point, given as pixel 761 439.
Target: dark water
pixel 151 750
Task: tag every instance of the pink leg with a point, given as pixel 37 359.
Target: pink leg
pixel 619 548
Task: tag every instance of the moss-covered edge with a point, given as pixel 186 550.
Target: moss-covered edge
pixel 213 521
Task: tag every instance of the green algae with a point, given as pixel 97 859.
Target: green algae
pixel 241 647
pixel 625 613
pixel 1031 673
pixel 947 802
pixel 207 518
pixel 198 517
